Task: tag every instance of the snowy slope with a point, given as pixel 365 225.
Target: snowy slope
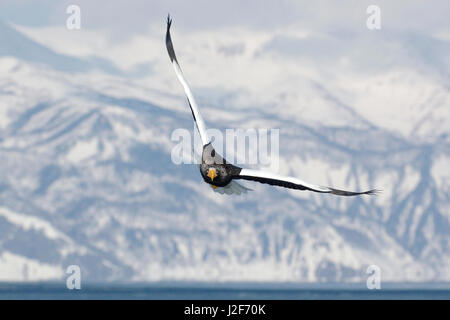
pixel 86 176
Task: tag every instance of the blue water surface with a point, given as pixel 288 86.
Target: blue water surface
pixel 211 291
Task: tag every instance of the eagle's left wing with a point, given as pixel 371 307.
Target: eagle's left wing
pixel 293 183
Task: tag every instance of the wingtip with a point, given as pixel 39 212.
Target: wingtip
pixel 352 193
pixel 374 192
pixel 169 44
pixel 169 21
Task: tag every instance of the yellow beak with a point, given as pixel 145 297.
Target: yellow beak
pixel 212 173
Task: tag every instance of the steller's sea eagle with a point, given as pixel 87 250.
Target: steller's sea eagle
pixel 222 175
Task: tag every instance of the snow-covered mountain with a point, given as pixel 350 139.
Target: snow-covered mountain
pixel 86 175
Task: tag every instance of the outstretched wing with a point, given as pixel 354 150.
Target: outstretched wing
pixel 292 183
pixel 192 104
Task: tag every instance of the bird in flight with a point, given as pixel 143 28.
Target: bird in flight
pixel 222 175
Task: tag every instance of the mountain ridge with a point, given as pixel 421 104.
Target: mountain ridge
pixel 95 165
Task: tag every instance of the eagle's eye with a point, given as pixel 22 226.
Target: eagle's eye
pixel 212 173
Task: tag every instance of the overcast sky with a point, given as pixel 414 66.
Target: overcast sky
pixel 124 18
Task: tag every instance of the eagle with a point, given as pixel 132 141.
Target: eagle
pixel 222 175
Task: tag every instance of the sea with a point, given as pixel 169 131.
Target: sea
pixel 222 291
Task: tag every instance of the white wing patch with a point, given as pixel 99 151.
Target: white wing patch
pixel 232 188
pixel 294 183
pixel 269 175
pixel 192 104
pixel 197 117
